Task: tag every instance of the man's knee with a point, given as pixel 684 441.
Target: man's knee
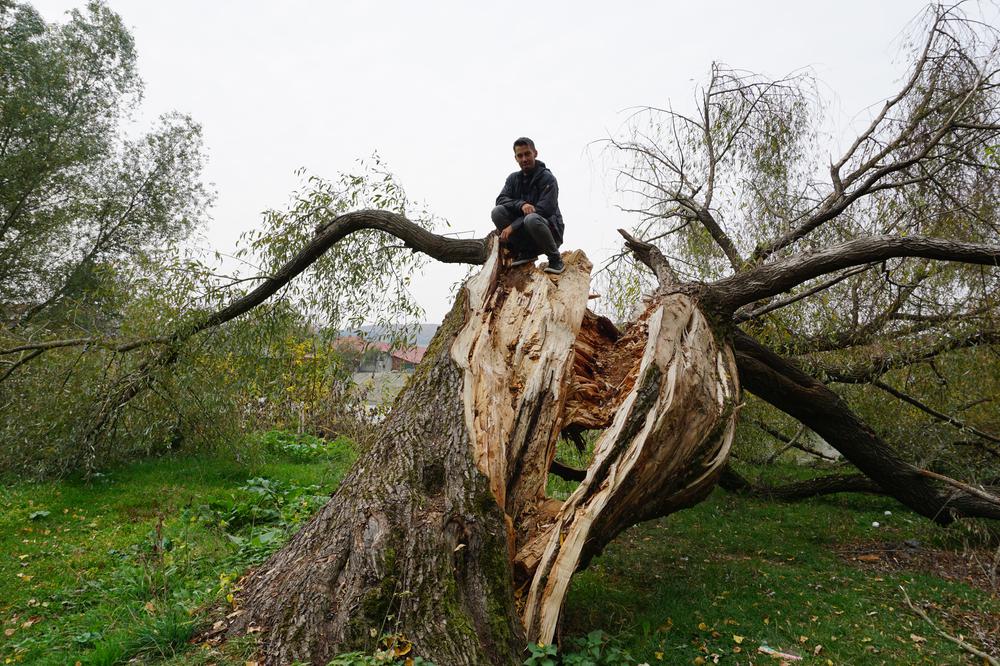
pixel 500 216
pixel 535 220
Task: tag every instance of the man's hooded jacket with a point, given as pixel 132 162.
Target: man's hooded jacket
pixel 537 187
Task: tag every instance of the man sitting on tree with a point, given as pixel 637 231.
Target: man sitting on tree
pixel 527 211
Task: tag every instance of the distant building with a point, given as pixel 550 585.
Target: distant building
pixel 379 356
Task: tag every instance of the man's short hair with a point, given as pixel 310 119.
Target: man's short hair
pixel 524 141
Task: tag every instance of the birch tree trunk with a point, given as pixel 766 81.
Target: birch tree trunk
pixel 442 532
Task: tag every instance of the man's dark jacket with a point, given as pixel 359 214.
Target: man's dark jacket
pixel 539 188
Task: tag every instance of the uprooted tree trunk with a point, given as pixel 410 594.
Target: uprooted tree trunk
pixel 442 532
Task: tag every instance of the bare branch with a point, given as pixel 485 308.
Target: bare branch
pixel 987 659
pixel 87 342
pixel 650 255
pixel 938 416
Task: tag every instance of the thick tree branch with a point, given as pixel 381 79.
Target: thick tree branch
pixel 732 481
pixel 876 365
pixel 720 237
pixel 764 281
pixel 741 317
pixel 778 382
pixel 448 250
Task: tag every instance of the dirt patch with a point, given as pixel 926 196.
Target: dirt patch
pixel 972 567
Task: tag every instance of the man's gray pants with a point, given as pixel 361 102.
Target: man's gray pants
pixel 531 235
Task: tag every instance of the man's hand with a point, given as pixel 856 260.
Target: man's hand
pixel 527 209
pixel 505 234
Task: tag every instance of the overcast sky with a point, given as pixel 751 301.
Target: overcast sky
pixel 441 89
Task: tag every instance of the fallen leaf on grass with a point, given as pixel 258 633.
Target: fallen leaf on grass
pixel 917 639
pixel 737 639
pixel 9 632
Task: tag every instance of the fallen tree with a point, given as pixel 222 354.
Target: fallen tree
pixel 443 530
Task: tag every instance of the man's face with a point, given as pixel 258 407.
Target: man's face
pixel 525 156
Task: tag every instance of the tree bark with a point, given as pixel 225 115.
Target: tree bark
pixel 442 532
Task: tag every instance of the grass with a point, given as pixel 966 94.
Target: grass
pixel 116 569
pixel 106 570
pixel 735 574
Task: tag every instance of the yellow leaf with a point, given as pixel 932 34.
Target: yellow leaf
pixel 803 639
pixel 699 661
pixel 702 626
pixel 737 639
pixel 658 655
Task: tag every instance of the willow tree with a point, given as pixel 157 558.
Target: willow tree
pixel 442 530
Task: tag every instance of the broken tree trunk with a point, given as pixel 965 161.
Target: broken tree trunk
pixel 442 532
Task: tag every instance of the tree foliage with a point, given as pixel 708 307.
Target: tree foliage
pixel 77 195
pixel 755 174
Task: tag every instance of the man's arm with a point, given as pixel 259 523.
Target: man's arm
pixel 508 198
pixel 548 201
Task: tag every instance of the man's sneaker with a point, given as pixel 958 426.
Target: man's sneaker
pixel 556 265
pixel 522 260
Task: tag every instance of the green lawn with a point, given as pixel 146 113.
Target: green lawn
pixel 116 569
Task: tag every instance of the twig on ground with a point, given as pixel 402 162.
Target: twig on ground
pixel 957 641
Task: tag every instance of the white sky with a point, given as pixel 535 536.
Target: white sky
pixel 441 89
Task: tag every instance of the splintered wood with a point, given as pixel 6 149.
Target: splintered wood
pixel 516 351
pixel 536 361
